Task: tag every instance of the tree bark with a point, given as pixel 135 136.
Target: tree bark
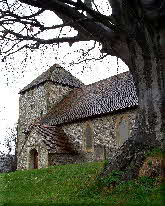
pixel 148 70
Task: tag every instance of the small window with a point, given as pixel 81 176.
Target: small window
pixel 41 113
pixel 88 137
pixel 32 106
pixel 32 92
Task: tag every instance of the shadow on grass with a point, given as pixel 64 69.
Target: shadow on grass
pixel 94 202
pixel 57 204
pixel 154 203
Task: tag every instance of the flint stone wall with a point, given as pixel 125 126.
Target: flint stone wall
pixel 106 137
pixel 60 159
pixel 108 134
pixel 33 104
pixel 34 141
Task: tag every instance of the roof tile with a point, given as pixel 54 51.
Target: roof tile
pixel 56 74
pixel 109 95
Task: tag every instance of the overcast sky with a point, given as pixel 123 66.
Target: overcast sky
pixel 16 74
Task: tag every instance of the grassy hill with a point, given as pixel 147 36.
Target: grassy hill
pixel 75 185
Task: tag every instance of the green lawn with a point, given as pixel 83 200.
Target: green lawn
pixel 75 185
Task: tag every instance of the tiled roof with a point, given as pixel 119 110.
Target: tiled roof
pixel 55 139
pixel 109 95
pixel 56 74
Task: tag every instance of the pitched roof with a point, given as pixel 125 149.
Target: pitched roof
pixel 56 140
pixel 109 95
pixel 56 74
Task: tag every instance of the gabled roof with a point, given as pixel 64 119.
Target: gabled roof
pixel 56 74
pixel 56 140
pixel 109 95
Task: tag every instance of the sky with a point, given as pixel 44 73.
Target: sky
pixel 16 73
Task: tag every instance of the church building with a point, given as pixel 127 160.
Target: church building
pixel 63 121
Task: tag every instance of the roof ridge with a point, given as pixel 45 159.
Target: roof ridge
pixel 111 77
pixel 56 74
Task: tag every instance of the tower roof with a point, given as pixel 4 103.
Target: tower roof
pixel 56 74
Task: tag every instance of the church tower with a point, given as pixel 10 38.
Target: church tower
pixel 37 98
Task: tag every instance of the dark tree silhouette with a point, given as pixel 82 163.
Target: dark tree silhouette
pixel 8 158
pixel 134 32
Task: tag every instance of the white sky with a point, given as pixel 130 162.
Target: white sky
pixel 16 74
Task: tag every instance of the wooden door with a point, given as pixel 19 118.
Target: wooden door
pixel 35 159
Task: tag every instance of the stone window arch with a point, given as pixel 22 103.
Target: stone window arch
pixel 33 159
pixel 123 130
pixel 88 137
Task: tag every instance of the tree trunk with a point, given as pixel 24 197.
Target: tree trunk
pixel 149 131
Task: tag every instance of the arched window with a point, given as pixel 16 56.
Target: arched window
pixel 88 137
pixel 33 159
pixel 123 131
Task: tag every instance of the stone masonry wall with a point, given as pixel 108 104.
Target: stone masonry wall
pixel 108 133
pixel 34 141
pixel 33 104
pixel 58 159
pixel 106 137
pixel 55 93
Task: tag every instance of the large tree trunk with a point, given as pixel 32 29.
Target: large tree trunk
pixel 147 68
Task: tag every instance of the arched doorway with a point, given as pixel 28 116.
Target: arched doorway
pixel 33 163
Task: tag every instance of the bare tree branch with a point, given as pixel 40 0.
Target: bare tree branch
pixel 44 41
pixel 96 26
pixel 89 59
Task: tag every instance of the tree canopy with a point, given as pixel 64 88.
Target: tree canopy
pixel 21 26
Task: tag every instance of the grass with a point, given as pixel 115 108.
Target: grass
pixel 156 152
pixel 75 185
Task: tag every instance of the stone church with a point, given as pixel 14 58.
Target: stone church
pixel 63 121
